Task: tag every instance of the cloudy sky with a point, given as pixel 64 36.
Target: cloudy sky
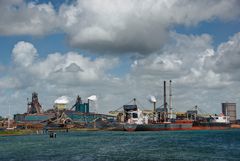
pixel 119 50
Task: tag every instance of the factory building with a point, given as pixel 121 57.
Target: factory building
pixel 60 116
pixel 229 109
pixel 80 106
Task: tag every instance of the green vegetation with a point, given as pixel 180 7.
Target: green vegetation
pixel 84 129
pixel 16 132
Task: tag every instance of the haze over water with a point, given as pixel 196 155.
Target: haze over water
pixel 88 146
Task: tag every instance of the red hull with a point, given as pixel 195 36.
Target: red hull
pixel 130 129
pixel 209 128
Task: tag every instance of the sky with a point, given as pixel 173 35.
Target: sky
pixel 120 50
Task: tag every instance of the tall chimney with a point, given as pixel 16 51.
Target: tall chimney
pixel 165 100
pixel 154 107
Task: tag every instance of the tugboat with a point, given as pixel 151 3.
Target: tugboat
pixel 215 122
pixel 133 117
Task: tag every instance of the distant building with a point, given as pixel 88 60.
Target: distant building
pixel 229 109
pixel 80 106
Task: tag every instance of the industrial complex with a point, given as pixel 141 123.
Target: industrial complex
pixel 129 117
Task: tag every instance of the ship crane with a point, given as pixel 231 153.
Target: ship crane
pixel 200 112
pixel 116 111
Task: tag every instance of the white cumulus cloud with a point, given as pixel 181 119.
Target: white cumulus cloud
pixel 112 26
pixel 24 53
pixel 185 60
pixel 20 18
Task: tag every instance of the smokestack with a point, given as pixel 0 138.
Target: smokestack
pixel 154 107
pixel 164 101
pixel 164 96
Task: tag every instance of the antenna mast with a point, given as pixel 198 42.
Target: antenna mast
pixel 170 97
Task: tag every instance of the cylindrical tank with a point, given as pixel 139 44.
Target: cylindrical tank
pixel 229 109
pixel 60 106
pixel 61 102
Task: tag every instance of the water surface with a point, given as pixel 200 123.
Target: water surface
pixel 100 145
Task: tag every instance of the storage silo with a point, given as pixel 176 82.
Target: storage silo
pixel 229 109
pixel 61 103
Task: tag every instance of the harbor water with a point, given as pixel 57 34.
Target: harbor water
pixel 106 145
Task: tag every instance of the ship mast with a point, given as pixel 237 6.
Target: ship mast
pixel 134 101
pixel 170 97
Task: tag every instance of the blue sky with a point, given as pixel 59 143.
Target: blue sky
pixel 119 50
pixel 219 30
